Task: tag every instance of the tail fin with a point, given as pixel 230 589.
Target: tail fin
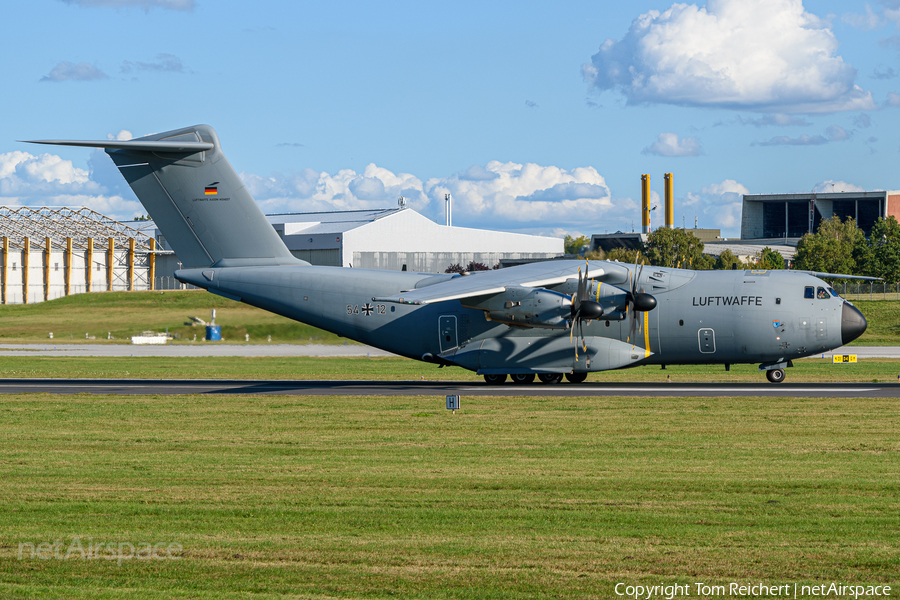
pixel 195 197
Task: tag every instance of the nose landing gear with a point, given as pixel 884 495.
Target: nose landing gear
pixel 775 371
pixel 775 375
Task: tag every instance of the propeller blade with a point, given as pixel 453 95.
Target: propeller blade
pixel 638 271
pixel 632 325
pixel 578 295
pixel 575 320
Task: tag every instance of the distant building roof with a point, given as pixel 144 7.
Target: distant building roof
pixel 328 221
pixel 61 222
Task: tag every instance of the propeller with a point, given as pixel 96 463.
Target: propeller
pixel 583 308
pixel 638 302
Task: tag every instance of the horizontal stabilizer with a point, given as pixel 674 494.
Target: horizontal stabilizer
pixel 138 146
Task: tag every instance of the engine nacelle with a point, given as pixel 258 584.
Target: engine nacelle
pixel 528 307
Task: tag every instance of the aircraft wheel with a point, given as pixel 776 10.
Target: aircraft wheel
pixel 550 377
pixel 576 377
pixel 775 375
pixel 493 379
pixel 523 377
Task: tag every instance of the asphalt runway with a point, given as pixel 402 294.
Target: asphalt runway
pixel 439 389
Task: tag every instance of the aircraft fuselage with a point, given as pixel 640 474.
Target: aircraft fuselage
pixel 701 317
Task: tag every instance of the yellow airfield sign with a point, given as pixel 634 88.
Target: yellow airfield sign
pixel 843 358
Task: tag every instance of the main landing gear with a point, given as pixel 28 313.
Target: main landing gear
pixel 523 378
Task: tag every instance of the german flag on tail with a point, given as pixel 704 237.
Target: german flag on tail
pixel 211 189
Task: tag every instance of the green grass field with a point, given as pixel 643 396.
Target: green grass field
pixel 373 497
pixel 124 314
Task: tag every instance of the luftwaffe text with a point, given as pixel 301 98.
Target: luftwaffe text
pixel 728 301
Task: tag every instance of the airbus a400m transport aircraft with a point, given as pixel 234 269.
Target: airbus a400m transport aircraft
pixel 546 319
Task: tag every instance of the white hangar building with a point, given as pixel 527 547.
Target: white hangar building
pixel 391 239
pixel 397 239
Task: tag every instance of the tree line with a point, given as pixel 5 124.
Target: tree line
pixel 836 247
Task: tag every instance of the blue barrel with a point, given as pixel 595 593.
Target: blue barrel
pixel 214 333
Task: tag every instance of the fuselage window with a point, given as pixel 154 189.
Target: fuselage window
pixel 822 294
pixel 809 292
pixel 834 293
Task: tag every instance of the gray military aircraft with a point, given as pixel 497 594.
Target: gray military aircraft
pixel 545 319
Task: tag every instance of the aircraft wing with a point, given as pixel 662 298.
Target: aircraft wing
pixel 486 283
pixel 821 275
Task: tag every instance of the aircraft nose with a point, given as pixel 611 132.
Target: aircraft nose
pixel 853 323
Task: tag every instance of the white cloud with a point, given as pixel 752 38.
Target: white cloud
pixel 717 205
pixel 893 99
pixel 767 56
pixel 187 5
pixel 891 10
pixel 834 133
pixel 67 71
pixel 116 207
pixel 123 135
pixel 164 63
pixel 886 73
pixel 515 193
pixel 48 180
pixel 47 172
pixel 831 185
pixel 729 186
pixel 308 190
pixel 668 144
pixel 503 195
pixel 867 22
pixel 777 119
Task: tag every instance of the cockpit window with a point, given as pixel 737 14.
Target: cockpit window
pixel 821 294
pixel 809 292
pixel 833 293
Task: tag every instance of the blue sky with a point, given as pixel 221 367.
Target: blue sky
pixel 537 117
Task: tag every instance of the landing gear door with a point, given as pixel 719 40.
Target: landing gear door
pixel 447 330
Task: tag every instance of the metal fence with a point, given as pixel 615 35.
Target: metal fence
pixel 867 290
pixel 170 283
